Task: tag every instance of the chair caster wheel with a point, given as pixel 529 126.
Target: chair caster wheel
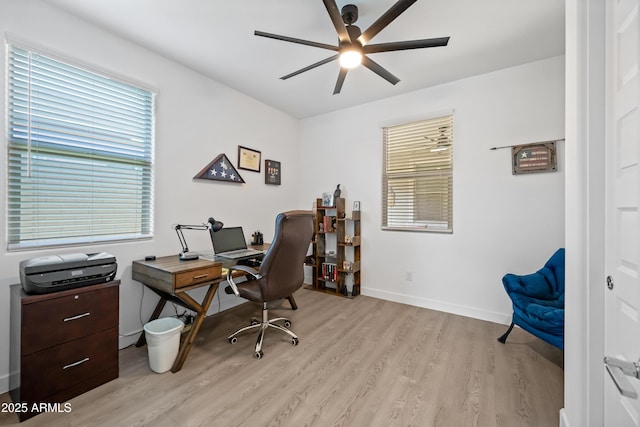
pixel 233 340
pixel 295 341
pixel 259 354
pixel 254 322
pixel 287 324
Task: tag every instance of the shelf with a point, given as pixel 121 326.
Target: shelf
pixel 329 291
pixel 355 216
pixel 333 219
pixel 355 242
pixel 355 267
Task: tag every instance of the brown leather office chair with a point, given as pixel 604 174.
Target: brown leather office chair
pixel 281 273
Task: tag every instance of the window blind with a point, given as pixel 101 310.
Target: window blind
pixel 79 155
pixel 417 181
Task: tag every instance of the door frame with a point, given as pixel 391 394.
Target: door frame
pixel 584 213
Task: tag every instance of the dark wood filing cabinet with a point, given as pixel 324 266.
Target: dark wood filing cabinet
pixel 63 344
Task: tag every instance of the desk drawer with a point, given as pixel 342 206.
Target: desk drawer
pixel 64 366
pixel 198 276
pixel 58 320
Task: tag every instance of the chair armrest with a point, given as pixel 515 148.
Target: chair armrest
pixel 532 285
pixel 248 270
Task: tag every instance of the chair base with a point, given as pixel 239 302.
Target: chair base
pixel 292 301
pixel 263 326
pixel 503 337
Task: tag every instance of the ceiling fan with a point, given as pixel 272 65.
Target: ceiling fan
pixel 353 44
pixel 442 141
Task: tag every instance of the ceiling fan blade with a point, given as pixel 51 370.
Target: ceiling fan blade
pixel 405 45
pixel 310 67
pixel 340 81
pixel 385 20
pixel 377 68
pixel 336 18
pixel 294 40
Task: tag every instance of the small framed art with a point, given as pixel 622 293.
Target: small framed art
pixel 272 172
pixel 248 159
pixel 327 199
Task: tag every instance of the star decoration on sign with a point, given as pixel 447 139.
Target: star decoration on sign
pixel 220 169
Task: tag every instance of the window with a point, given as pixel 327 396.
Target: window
pixel 417 181
pixel 79 155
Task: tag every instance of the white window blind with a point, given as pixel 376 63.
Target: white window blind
pixel 417 181
pixel 79 155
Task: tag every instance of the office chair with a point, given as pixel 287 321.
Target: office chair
pixel 280 274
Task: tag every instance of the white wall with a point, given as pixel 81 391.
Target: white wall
pixel 196 120
pixel 502 223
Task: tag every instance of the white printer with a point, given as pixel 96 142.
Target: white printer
pixel 59 272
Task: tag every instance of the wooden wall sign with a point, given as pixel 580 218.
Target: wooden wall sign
pixel 531 158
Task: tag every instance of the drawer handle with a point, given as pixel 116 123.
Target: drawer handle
pixel 201 276
pixel 79 316
pixel 79 362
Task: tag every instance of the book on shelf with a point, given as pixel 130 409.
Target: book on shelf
pixel 330 271
pixel 329 224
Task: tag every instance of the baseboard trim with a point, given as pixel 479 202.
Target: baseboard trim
pixel 490 316
pixel 4 384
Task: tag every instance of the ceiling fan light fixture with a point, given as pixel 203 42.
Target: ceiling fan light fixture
pixel 435 150
pixel 350 58
pixel 353 44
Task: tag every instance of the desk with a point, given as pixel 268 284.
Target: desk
pixel 171 278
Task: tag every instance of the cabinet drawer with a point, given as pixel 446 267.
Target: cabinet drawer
pixel 198 276
pixel 64 366
pixel 58 320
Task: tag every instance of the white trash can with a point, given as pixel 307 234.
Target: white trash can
pixel 163 342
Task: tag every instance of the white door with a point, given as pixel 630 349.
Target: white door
pixel 622 300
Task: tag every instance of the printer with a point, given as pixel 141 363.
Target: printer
pixel 59 272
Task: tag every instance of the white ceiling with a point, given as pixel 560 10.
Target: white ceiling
pixel 215 37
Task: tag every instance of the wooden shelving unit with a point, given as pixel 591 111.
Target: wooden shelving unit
pixel 335 261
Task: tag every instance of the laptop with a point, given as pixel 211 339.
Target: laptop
pixel 229 242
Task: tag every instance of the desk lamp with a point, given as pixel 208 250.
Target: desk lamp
pixel 212 226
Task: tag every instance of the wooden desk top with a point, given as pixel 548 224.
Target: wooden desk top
pixel 173 264
pixel 170 274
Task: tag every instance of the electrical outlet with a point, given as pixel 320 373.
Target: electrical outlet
pixel 408 276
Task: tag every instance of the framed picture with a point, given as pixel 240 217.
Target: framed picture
pixel 220 169
pixel 327 199
pixel 248 159
pixel 271 172
pixel 356 206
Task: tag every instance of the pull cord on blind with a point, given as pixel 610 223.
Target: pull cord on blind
pixel 417 182
pixel 79 155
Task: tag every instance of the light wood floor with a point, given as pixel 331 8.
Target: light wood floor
pixel 361 362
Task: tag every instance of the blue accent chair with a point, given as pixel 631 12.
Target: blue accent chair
pixel 538 301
